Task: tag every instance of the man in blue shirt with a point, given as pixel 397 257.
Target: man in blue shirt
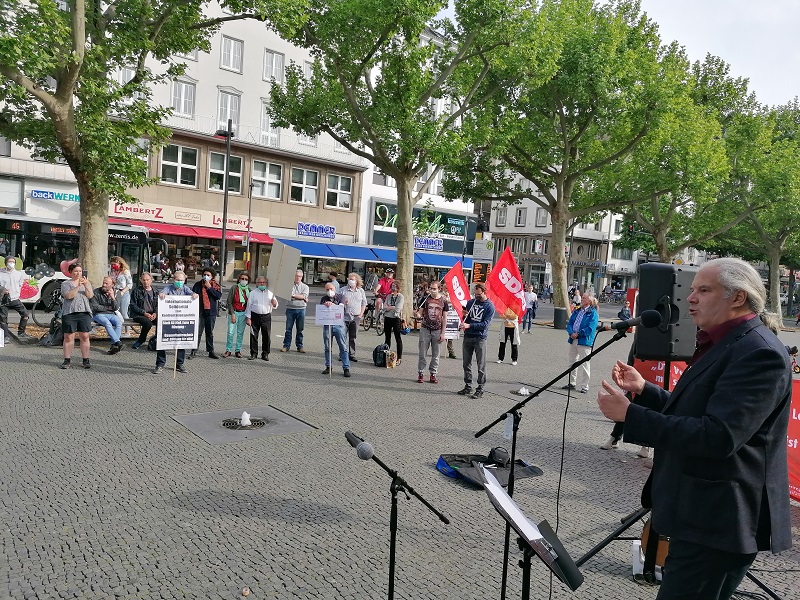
pixel 478 316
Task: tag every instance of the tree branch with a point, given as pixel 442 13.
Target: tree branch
pixel 30 86
pixel 66 84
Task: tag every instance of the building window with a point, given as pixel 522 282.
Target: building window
pixel 179 165
pixel 622 253
pixel 340 147
pixel 520 217
pixel 304 186
pixel 5 147
pixel 308 69
pixel 307 140
pixel 216 172
pixel 617 227
pixel 232 50
pixel 190 55
pixel 183 93
pixel 228 109
pixel 524 249
pixel 267 179
pixel 501 217
pixel 270 136
pixel 339 192
pixel 273 66
pixel 541 217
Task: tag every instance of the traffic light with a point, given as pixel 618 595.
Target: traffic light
pixel 630 229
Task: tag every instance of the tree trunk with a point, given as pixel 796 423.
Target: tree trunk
pixel 558 260
pixel 662 246
pixel 774 256
pixel 405 239
pixel 93 248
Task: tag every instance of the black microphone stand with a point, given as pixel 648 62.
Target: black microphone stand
pixel 400 485
pixel 517 417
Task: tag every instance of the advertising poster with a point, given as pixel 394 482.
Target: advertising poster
pixel 177 323
pixel 793 442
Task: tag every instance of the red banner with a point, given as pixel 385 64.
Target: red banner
pixel 504 285
pixel 457 289
pixel 793 442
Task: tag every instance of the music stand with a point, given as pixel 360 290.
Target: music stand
pixel 540 540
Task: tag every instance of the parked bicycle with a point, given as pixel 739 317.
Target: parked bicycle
pixel 47 308
pixel 370 318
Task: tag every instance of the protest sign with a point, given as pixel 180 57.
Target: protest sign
pixel 451 325
pixel 177 322
pixel 330 315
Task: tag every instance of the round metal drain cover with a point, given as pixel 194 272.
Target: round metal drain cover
pixel 236 424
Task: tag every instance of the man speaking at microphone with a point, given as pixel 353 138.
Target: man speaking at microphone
pixel 719 486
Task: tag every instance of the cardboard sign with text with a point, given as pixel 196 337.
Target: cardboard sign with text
pixel 177 323
pixel 283 262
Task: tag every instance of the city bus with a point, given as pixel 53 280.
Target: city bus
pixel 45 248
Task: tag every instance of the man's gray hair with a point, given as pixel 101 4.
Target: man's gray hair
pixel 734 275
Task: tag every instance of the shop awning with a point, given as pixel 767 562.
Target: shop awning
pixel 156 227
pixel 216 234
pixel 189 231
pixel 309 249
pixel 442 261
pixel 385 255
pixel 360 253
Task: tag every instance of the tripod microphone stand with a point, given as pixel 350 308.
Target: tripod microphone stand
pixel 517 417
pixel 365 451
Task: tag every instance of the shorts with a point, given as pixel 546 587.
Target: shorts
pixel 77 322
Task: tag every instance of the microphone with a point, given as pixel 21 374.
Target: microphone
pixel 648 318
pixel 353 439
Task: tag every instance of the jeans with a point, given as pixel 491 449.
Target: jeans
pixel 392 324
pixel 294 316
pixel 338 334
pixel 260 325
pixel 477 346
pixel 235 332
pixel 579 376
pixel 124 303
pixel 429 339
pixel 161 357
pixel 112 323
pixel 527 319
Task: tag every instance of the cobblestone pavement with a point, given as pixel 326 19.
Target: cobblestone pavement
pixel 104 495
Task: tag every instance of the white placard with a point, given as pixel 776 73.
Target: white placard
pixel 177 323
pixel 330 315
pixel 451 325
pixel 283 263
pixel 2 338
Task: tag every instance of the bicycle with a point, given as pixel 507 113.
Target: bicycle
pixel 370 318
pixel 47 308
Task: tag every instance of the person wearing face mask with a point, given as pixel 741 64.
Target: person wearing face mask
pixel 123 284
pixel 12 280
pixel 431 313
pixel 258 315
pixel 104 309
pixel 332 297
pixel 209 292
pixel 296 313
pixel 176 288
pixel 355 301
pixel 238 298
pixel 393 318
pixel 581 329
pixel 478 316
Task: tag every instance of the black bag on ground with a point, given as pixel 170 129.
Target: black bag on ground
pixel 54 335
pixel 459 466
pixel 151 344
pixel 379 355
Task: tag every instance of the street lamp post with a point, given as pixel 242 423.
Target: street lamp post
pixel 249 226
pixel 227 134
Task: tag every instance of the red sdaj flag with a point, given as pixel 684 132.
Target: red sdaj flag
pixel 457 288
pixel 504 285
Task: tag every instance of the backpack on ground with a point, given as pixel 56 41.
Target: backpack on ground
pixel 151 344
pixel 54 335
pixel 379 355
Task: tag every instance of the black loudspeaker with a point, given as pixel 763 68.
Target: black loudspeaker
pixel 665 288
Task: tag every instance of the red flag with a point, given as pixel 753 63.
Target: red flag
pixel 457 288
pixel 504 285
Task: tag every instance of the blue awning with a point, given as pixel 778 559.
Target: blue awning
pixel 442 261
pixel 361 253
pixel 309 249
pixel 386 255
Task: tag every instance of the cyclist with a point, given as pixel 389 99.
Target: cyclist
pixel 383 289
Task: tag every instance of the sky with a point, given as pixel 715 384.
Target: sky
pixel 757 38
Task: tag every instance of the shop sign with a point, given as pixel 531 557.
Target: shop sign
pixel 483 249
pixel 51 195
pixel 426 223
pixel 327 232
pixel 180 215
pixel 426 243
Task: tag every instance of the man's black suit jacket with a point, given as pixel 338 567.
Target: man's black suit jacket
pixel 720 475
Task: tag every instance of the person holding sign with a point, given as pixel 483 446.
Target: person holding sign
pixel 176 288
pixel 334 298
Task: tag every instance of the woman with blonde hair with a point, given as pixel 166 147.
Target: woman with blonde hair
pixel 355 301
pixel 123 284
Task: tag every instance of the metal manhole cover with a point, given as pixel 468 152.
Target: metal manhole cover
pixel 236 424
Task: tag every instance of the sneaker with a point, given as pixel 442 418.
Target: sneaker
pixel 301 350
pixel 327 371
pixel 452 355
pixel 192 354
pixel 644 452
pixel 284 349
pixel 114 348
pixel 86 364
pixel 238 355
pixel 420 377
pixel 353 359
pixel 347 372
pixel 158 370
pixel 252 357
pixel 66 364
pixel 611 444
pixel 499 362
pixel 513 363
pixel 585 389
pixel 433 378
pixel 478 394
pixel 569 386
pixel 180 369
pixel 136 345
pixel 466 391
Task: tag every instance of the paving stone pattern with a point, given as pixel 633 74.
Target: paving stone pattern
pixel 104 495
